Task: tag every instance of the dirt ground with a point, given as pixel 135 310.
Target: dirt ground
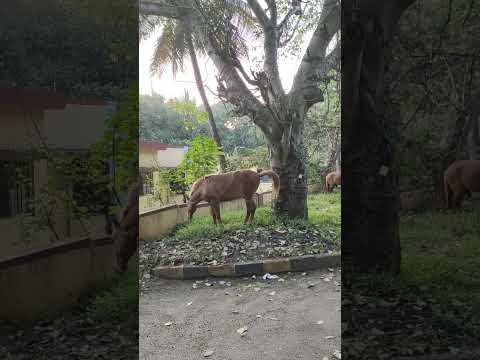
pixel 294 318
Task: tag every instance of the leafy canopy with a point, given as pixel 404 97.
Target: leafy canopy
pixel 200 160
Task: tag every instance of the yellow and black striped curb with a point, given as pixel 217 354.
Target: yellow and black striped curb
pixel 279 265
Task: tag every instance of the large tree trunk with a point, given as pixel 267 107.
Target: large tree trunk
pixel 206 104
pixel 292 198
pixel 370 198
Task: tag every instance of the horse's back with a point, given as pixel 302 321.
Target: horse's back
pixel 232 185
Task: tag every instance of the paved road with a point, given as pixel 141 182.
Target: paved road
pixel 281 325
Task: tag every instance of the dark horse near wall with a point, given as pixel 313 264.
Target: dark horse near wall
pixel 230 186
pixel 126 231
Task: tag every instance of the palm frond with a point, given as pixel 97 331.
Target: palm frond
pixel 147 25
pixel 179 48
pixel 162 54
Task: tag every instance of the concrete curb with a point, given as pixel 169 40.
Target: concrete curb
pixel 279 265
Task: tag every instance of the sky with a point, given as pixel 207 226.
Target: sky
pixel 170 88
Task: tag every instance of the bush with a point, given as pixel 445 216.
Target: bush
pixel 200 160
pixel 118 303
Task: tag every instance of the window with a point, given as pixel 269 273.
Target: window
pixel 147 186
pixel 16 187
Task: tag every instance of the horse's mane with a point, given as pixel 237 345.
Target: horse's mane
pixel 199 182
pixel 196 184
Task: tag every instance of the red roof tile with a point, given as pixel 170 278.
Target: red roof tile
pixel 154 145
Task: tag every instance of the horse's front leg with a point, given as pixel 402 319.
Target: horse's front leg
pixel 247 216
pixel 216 209
pixel 214 217
pixel 250 204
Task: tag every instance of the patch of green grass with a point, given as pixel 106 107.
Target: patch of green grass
pixel 119 302
pixel 323 209
pixel 441 249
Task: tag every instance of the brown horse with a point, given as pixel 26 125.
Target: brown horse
pixel 229 186
pixel 126 231
pixel 333 179
pixel 461 178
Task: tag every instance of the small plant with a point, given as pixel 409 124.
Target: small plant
pixel 117 303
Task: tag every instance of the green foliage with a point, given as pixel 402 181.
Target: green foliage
pixel 250 158
pixel 122 128
pixel 167 184
pixel 175 180
pixel 178 121
pixel 428 99
pixel 169 122
pixel 192 115
pixel 200 160
pixel 120 302
pixel 323 132
pixel 86 47
pixel 236 132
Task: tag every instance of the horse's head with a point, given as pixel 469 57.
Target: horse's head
pixel 191 208
pixel 195 197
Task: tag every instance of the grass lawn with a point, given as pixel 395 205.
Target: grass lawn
pixel 324 215
pixel 441 249
pixel 433 306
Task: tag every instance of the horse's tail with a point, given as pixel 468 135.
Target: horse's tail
pixel 448 192
pixel 275 179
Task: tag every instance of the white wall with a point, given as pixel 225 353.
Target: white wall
pixel 171 157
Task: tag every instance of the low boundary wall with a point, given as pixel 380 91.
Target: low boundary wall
pixel 41 283
pixel 158 222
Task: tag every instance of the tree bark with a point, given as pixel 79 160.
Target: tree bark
pixel 473 138
pixel 206 104
pixel 370 197
pixel 292 198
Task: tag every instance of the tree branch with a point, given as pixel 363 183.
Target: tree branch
pixel 163 8
pixel 272 7
pixel 270 45
pixel 259 13
pixel 284 21
pixel 314 56
pixel 235 91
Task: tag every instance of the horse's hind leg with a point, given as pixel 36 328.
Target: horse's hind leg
pixel 251 207
pixel 252 210
pixel 247 216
